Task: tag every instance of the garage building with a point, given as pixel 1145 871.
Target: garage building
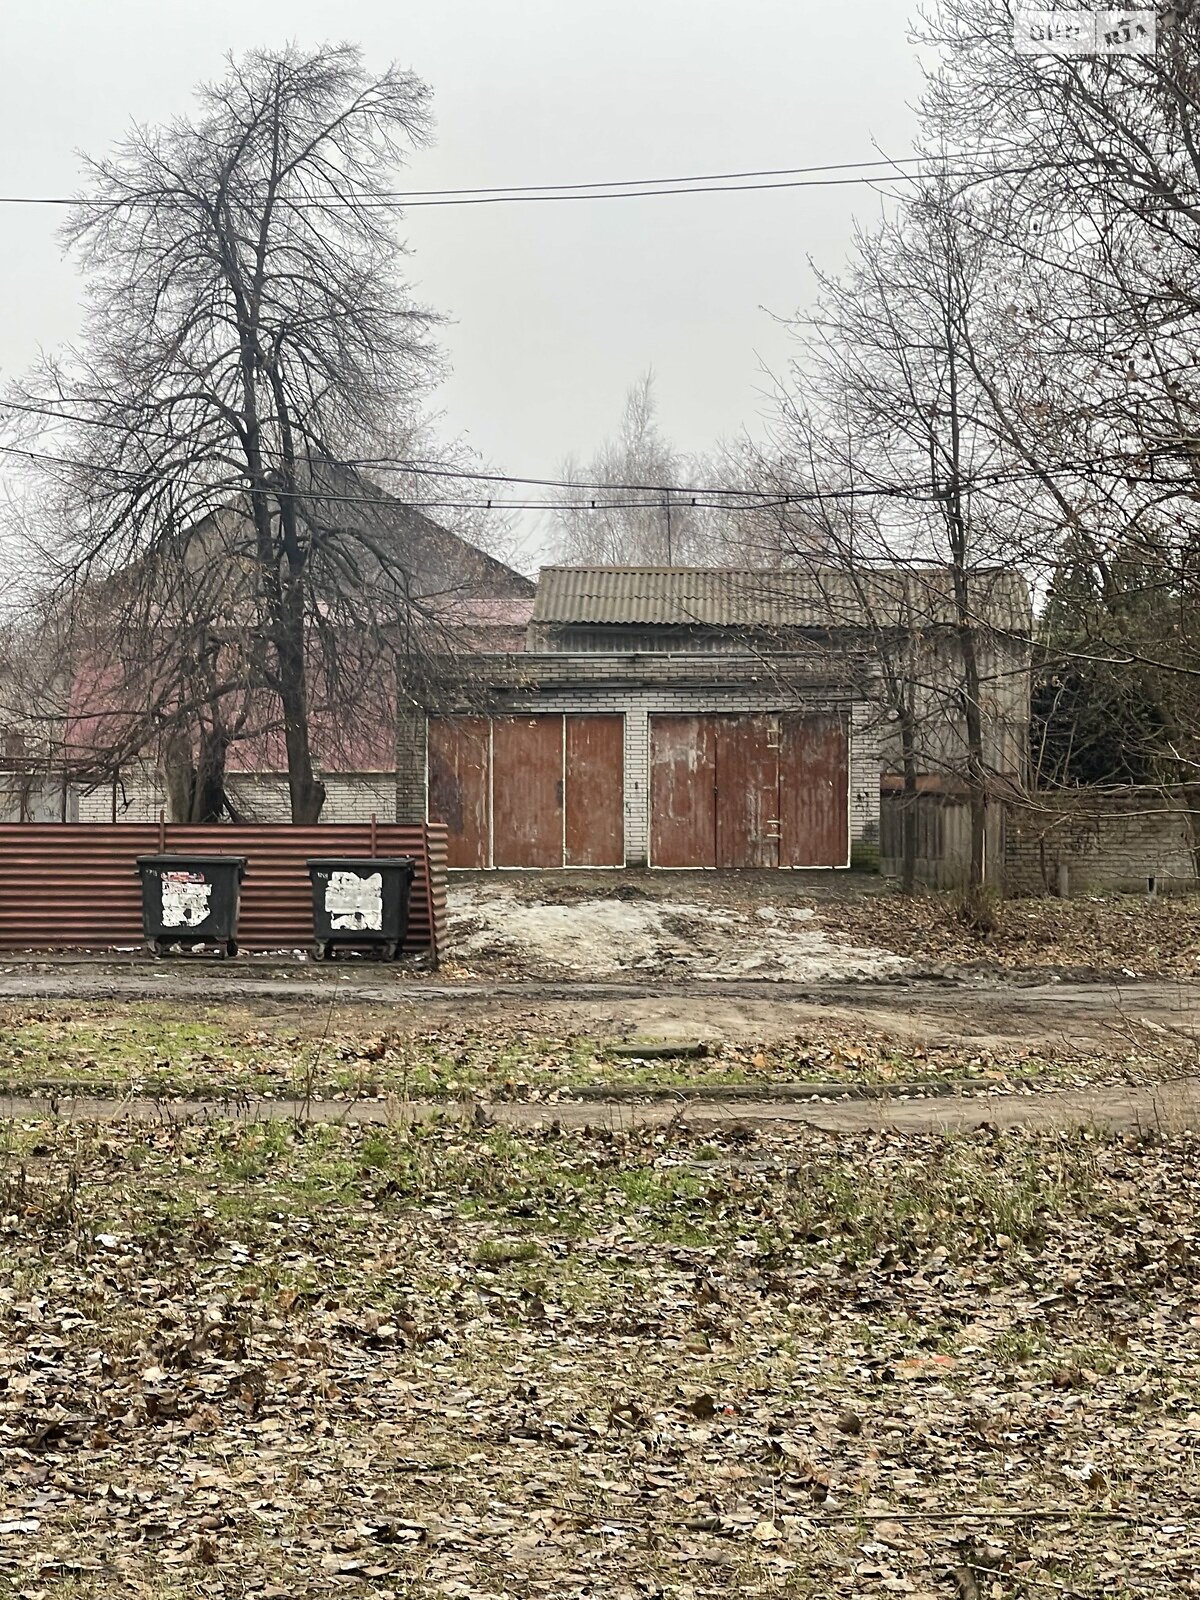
pixel 669 718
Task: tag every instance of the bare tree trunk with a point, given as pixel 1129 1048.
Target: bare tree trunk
pixel 977 784
pixel 209 800
pixel 306 790
pixel 908 816
pixel 960 554
pixel 178 775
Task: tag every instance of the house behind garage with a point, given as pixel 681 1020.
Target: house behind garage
pixel 673 718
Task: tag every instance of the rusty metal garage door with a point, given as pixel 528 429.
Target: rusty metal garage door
pixel 460 786
pixel 528 791
pixel 749 791
pixel 595 774
pixel 537 791
pixel 814 791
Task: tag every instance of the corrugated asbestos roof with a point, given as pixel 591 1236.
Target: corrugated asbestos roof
pixel 811 597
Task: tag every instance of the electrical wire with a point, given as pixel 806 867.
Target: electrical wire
pixel 696 177
pixel 915 490
pixel 683 495
pixel 716 188
pixel 617 189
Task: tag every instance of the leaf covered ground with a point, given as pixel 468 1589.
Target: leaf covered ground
pixel 1126 936
pixel 451 1360
pixel 201 1050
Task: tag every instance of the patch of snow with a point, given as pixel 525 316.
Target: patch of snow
pixel 605 938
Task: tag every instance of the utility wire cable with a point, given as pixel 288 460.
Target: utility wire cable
pixel 679 493
pixel 695 177
pixel 915 490
pixel 626 189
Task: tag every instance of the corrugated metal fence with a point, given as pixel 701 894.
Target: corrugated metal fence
pixel 943 824
pixel 75 885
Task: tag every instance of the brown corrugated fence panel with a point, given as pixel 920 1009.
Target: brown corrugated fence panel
pixel 436 862
pixel 75 885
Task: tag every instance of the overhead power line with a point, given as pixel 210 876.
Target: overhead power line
pixel 529 198
pixel 916 490
pixel 721 496
pixel 884 170
pixel 695 177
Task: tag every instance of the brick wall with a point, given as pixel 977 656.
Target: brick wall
pixel 865 758
pixel 1106 841
pixel 136 796
pixel 409 792
pixel 787 677
pixel 350 797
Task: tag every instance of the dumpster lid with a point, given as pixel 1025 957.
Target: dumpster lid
pixel 177 859
pixel 361 863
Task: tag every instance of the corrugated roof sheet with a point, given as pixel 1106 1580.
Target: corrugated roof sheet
pixel 810 597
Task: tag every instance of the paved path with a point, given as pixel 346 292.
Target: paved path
pixel 1171 1106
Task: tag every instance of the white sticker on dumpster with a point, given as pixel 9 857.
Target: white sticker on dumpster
pixel 354 902
pixel 185 900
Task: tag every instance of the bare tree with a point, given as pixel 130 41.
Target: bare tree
pixel 248 335
pixel 896 416
pixel 639 521
pixel 1092 168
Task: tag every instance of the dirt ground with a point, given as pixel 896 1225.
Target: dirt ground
pixel 1165 1107
pixel 727 1256
pixel 799 928
pixel 289 1360
pixel 696 931
pixel 341 1041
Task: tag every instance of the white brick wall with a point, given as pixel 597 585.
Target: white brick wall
pixel 865 759
pixel 136 797
pixel 262 797
pixel 357 797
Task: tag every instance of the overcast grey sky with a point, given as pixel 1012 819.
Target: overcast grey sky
pixel 555 308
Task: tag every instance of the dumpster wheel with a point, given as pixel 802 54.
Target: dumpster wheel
pixel 322 950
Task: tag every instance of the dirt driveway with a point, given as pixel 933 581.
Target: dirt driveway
pixel 715 959
pixel 802 927
pixel 1121 1108
pixel 642 926
pixel 1066 1021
